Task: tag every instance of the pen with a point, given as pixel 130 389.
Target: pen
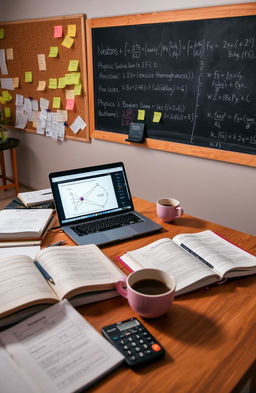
pixel 197 256
pixel 59 243
pixel 46 193
pixel 44 272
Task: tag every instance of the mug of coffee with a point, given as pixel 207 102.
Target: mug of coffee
pixel 168 209
pixel 150 292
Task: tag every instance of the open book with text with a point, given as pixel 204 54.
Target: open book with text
pixel 33 198
pixel 83 274
pixel 195 260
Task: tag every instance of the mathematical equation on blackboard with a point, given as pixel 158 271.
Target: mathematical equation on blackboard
pixel 200 75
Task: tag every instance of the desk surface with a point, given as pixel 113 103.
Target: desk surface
pixel 209 335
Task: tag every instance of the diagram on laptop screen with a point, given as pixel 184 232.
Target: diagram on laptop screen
pixel 87 196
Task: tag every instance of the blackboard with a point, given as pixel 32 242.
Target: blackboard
pixel 199 75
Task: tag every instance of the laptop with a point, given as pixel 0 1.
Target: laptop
pixel 94 205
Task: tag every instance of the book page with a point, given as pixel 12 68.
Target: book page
pixel 21 284
pixel 166 255
pixel 83 267
pixel 219 252
pixel 36 197
pixel 60 350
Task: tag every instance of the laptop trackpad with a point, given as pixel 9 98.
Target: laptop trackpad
pixel 120 233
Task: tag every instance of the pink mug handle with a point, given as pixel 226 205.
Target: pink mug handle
pixel 179 211
pixel 120 288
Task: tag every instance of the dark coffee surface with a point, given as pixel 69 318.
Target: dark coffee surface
pixel 150 287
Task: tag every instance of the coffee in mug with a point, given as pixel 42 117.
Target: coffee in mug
pixel 168 209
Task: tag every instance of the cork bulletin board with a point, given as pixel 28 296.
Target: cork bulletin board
pixel 46 60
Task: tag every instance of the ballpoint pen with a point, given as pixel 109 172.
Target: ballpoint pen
pixel 44 272
pixel 59 243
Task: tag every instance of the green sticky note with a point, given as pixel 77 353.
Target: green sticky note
pixel 53 83
pixel 7 112
pixel 77 90
pixel 1 33
pixel 56 102
pixel 75 78
pixel 69 80
pixel 141 114
pixel 54 50
pixel 28 76
pixel 2 100
pixel 157 117
pixel 6 96
pixel 61 83
pixel 73 65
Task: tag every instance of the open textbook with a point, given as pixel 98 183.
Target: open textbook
pixel 55 351
pixel 82 274
pixel 33 198
pixel 196 259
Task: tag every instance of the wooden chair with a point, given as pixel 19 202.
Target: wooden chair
pixel 10 144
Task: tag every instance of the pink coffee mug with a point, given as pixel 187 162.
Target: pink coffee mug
pixel 139 283
pixel 168 209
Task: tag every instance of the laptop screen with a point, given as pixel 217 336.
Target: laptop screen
pixel 89 193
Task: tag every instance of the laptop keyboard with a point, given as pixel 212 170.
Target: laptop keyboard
pixel 105 224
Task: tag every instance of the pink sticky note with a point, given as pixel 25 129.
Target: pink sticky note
pixel 70 104
pixel 58 31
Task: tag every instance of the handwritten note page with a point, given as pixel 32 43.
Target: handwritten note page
pixel 60 350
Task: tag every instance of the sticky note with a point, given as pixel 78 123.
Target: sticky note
pixel 67 42
pixel 41 86
pixel 2 100
pixel 41 62
pixel 75 78
pixel 54 50
pixel 69 94
pixel 1 33
pixel 62 115
pixel 58 31
pixel 68 79
pixel 28 76
pixel 70 104
pixel 78 90
pixel 16 82
pixel 141 114
pixel 73 65
pixel 7 112
pixel 157 117
pixel 56 102
pixel 6 96
pixel 53 83
pixel 71 30
pixel 9 54
pixel 61 83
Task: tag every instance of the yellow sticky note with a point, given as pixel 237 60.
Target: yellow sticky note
pixel 75 78
pixel 141 114
pixel 16 82
pixel 70 104
pixel 73 65
pixel 56 102
pixel 54 50
pixel 28 76
pixel 53 83
pixel 6 96
pixel 157 117
pixel 67 42
pixel 70 94
pixel 71 30
pixel 7 112
pixel 41 85
pixel 1 33
pixel 2 100
pixel 9 54
pixel 68 79
pixel 61 83
pixel 77 90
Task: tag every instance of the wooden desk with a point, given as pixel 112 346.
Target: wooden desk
pixel 209 336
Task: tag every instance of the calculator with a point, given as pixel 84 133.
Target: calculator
pixel 134 341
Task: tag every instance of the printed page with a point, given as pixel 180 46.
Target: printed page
pixel 219 252
pixel 21 283
pixel 13 251
pixel 78 267
pixel 60 350
pixel 36 197
pixel 166 255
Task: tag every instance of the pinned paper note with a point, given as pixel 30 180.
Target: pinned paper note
pixel 78 124
pixel 141 114
pixel 69 79
pixel 16 82
pixel 58 31
pixel 28 76
pixel 62 116
pixel 19 100
pixel 35 105
pixel 75 78
pixel 44 103
pixel 1 33
pixel 27 105
pixel 61 83
pixel 3 65
pixel 73 65
pixel 56 102
pixel 70 104
pixel 67 42
pixel 53 83
pixel 69 94
pixel 7 83
pixel 157 117
pixel 71 30
pixel 41 62
pixel 6 96
pixel 2 100
pixel 41 86
pixel 7 112
pixel 54 50
pixel 9 54
pixel 77 90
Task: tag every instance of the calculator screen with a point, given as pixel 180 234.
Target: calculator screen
pixel 127 325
